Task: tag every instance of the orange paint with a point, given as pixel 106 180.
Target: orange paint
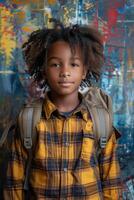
pixel 20 16
pixel 26 29
pixel 8 40
pixel 51 1
pixel 19 2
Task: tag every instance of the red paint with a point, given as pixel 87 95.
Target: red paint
pixel 112 17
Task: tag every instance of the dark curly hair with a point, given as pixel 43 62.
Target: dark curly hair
pixel 87 38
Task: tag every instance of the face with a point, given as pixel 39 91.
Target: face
pixel 65 70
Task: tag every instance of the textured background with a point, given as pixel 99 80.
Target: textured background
pixel 115 19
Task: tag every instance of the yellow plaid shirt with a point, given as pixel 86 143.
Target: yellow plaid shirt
pixel 64 164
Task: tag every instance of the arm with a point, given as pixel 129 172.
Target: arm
pixel 13 188
pixel 110 171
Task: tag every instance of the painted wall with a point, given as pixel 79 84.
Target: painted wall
pixel 115 19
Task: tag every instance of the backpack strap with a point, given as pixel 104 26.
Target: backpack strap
pixel 99 105
pixel 4 136
pixel 27 120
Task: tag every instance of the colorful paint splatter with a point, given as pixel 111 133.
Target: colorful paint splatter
pixel 115 19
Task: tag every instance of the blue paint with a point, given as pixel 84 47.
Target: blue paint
pixel 117 77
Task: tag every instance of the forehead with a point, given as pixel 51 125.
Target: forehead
pixel 63 47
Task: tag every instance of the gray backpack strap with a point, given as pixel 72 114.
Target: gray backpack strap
pixel 100 107
pixel 4 136
pixel 28 118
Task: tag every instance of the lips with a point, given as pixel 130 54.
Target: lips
pixel 64 83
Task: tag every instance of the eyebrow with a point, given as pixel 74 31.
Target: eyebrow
pixel 54 57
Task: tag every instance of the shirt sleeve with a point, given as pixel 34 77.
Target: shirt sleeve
pixel 110 170
pixel 13 187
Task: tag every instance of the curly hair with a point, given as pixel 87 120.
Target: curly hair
pixel 88 39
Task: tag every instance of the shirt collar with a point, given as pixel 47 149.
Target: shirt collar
pixel 82 108
pixel 49 108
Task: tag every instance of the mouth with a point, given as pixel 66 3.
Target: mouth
pixel 66 84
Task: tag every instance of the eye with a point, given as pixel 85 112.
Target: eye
pixel 55 65
pixel 75 65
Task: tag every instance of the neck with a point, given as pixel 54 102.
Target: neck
pixel 65 103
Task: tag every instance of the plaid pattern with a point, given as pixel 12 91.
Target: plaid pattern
pixel 64 164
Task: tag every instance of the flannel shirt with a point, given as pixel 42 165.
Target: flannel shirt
pixel 64 164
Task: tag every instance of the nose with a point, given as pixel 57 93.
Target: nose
pixel 65 72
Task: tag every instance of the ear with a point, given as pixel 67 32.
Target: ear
pixel 84 73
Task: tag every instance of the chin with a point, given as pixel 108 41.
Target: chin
pixel 66 92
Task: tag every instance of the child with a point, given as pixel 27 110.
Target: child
pixel 64 165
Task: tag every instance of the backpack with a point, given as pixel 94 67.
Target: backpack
pixel 100 108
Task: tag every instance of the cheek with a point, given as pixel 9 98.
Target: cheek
pixel 79 75
pixel 51 76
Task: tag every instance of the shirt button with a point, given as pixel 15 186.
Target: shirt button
pixel 65 169
pixel 66 144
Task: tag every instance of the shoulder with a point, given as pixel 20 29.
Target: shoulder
pixel 97 96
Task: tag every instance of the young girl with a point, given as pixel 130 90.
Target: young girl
pixel 64 165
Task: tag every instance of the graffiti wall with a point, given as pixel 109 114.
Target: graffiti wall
pixel 115 19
